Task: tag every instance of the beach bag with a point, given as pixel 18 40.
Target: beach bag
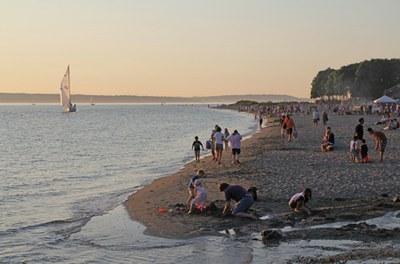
pixel 295 134
pixel 208 144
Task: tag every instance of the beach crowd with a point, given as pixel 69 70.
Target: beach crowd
pixel 239 199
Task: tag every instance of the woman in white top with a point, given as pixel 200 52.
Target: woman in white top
pixel 219 144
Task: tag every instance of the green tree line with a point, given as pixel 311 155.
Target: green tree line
pixel 367 79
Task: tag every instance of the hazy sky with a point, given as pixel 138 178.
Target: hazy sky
pixel 187 47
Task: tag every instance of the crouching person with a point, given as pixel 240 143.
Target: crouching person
pixel 299 200
pixel 244 200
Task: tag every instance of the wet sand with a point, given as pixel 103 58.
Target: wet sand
pixel 342 191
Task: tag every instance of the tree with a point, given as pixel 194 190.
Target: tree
pixel 345 79
pixel 318 83
pixel 368 79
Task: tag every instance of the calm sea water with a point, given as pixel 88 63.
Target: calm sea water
pixel 65 175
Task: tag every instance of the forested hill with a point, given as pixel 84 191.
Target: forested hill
pixel 367 79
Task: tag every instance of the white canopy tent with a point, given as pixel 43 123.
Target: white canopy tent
pixel 384 99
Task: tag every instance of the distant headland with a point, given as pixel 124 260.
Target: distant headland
pixel 127 99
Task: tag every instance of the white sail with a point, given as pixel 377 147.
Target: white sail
pixel 65 90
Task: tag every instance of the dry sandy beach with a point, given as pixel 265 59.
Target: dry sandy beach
pixel 342 191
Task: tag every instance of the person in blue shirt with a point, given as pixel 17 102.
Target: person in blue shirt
pixel 244 200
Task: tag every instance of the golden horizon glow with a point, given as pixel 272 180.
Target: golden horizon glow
pixel 188 48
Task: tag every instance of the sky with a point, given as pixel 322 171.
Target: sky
pixel 188 48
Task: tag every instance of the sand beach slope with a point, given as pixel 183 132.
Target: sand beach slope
pixel 342 191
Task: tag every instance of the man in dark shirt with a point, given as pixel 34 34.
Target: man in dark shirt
pixel 359 131
pixel 241 196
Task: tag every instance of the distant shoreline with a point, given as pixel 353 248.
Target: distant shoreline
pixel 100 99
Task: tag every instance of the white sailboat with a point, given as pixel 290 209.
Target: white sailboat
pixel 65 93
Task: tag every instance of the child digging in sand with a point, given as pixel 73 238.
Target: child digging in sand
pixel 199 202
pixel 192 194
pixel 299 200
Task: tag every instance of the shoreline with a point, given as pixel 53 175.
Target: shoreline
pixel 342 191
pixel 143 206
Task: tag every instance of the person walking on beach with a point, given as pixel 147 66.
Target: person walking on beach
pixel 299 200
pixel 219 144
pixel 359 130
pixel 196 147
pixel 244 200
pixel 200 200
pixel 289 125
pixel 380 141
pixel 213 152
pixel 283 128
pixel 260 119
pixel 315 117
pixel 200 174
pixel 226 135
pixel 235 141
pixel 324 118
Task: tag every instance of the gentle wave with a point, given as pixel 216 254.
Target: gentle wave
pixel 61 171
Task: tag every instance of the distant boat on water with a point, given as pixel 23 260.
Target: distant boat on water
pixel 91 100
pixel 65 93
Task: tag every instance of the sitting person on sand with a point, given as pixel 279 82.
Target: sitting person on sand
pixel 199 202
pixel 383 120
pixel 328 141
pixel 396 124
pixel 392 124
pixel 192 194
pixel 299 200
pixel 244 200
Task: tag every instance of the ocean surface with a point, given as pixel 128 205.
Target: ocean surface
pixel 64 177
